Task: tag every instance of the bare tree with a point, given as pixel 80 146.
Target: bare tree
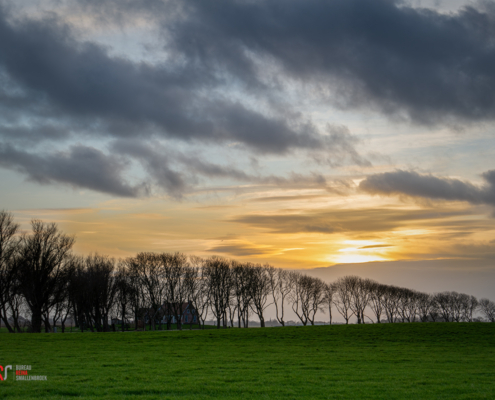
pixel 445 304
pixel 426 306
pixel 148 269
pixel 460 303
pixel 126 291
pixel 470 307
pixel 260 290
pixel 359 295
pixel 241 278
pixel 102 286
pixel 192 285
pixel 316 294
pixel 377 291
pixel 328 299
pixel 307 297
pixel 487 308
pixel 296 296
pixel 407 304
pixel 198 289
pixel 175 266
pixel 9 245
pixel 15 306
pixel 343 298
pixel 78 297
pixel 62 308
pixel 281 286
pixel 43 257
pixel 219 280
pixel 391 299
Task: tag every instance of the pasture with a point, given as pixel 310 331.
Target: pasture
pixel 381 361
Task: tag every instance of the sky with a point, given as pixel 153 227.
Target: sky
pixel 333 136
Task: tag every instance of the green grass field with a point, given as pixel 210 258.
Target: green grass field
pixel 387 361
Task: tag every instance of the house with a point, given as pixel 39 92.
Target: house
pixel 186 312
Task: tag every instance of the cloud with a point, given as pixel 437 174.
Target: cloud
pixel 278 199
pixel 375 246
pixel 405 61
pixel 234 73
pixel 166 169
pixel 410 183
pixel 57 75
pixel 59 89
pixel 363 221
pixel 156 162
pixel 30 135
pixel 177 172
pixel 386 54
pixel 240 249
pixel 80 166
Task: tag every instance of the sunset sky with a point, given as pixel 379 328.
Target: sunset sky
pixel 300 133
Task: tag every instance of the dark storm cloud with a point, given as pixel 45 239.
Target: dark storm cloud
pixel 227 77
pixel 30 134
pixel 402 60
pixel 56 88
pixel 81 166
pixel 412 184
pixel 382 53
pixel 176 100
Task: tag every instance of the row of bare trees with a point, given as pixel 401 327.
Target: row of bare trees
pixel 42 279
pixel 371 301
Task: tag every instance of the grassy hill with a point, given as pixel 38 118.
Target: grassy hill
pixel 387 361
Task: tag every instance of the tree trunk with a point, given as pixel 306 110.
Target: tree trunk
pixel 5 320
pixel 136 319
pixel 122 325
pixel 48 327
pixel 36 321
pixel 105 322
